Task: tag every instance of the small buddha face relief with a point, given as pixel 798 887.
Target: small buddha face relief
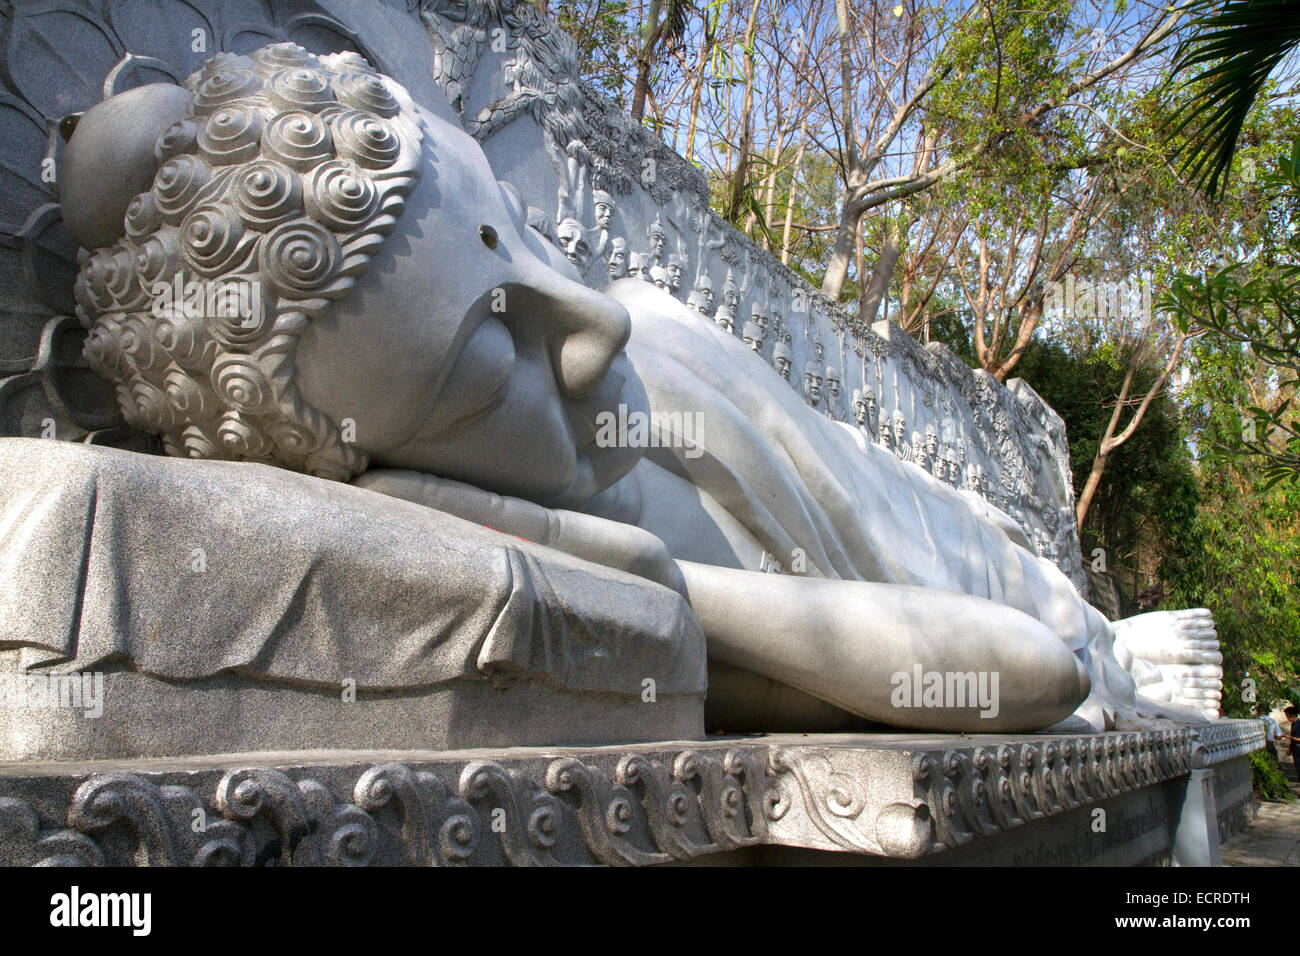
pixel 833 385
pixel 812 386
pixel 604 215
pixel 886 432
pixel 783 367
pixel 574 245
pixel 753 343
pixel 931 441
pixel 724 321
pixel 617 259
pixel 871 407
pixel 860 412
pixel 900 427
pixel 674 276
pixel 657 240
pixel 706 293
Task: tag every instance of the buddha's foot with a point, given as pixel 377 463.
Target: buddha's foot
pixel 1175 657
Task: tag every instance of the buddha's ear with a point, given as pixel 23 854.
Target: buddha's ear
pixel 110 159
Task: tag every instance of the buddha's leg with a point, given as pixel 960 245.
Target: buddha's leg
pixel 905 656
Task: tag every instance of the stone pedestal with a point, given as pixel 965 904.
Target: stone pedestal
pixel 1195 826
pixel 874 799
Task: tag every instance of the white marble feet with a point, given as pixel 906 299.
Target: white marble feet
pixel 1173 656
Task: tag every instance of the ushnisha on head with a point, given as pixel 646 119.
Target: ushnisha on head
pixel 277 177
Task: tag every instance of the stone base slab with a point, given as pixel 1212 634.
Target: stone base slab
pixel 1026 800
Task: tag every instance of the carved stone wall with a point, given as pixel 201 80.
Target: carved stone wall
pixel 619 202
pixel 605 190
pixel 895 798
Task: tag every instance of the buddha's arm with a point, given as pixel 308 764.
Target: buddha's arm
pixel 598 540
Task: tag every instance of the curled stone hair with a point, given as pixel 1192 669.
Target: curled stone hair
pixel 280 182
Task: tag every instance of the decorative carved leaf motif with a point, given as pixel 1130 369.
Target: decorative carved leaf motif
pixel 164 29
pixel 25 141
pixel 56 58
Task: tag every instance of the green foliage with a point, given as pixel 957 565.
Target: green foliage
pixel 1148 492
pixel 1255 302
pixel 1267 778
pixel 603 31
pixel 1240 550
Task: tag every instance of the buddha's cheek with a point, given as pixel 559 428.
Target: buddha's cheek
pixel 523 445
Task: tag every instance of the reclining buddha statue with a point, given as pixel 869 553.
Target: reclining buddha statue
pixel 383 316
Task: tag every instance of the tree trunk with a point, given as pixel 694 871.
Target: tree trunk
pixel 706 47
pixel 789 196
pixel 737 198
pixel 643 61
pixel 1109 440
pixel 878 287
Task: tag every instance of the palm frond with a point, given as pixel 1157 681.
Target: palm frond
pixel 1236 46
pixel 675 20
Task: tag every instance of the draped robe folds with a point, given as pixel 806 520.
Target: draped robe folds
pixel 769 474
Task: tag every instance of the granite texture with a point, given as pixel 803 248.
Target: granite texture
pixel 251 598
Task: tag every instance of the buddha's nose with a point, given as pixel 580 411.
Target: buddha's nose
pixel 585 329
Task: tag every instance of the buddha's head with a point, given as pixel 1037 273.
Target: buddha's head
pixel 832 383
pixel 931 440
pixel 659 276
pixel 900 426
pixel 569 234
pixel 752 336
pixel 704 285
pixel 782 360
pixel 389 306
pixel 812 382
pixel 674 269
pixel 731 293
pixel 658 237
pixel 617 265
pixel 869 398
pixel 604 204
pixel 859 407
pixel 886 430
